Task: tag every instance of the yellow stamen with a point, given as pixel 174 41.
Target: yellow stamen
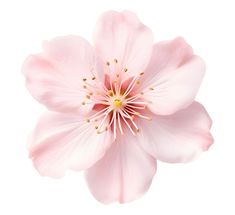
pixel 117 103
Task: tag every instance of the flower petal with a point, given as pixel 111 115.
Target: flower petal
pixel 123 37
pixel 72 54
pixel 123 174
pixel 173 77
pixel 55 77
pixel 180 137
pixel 62 141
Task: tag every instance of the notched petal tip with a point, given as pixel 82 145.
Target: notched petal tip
pixel 131 17
pixel 121 35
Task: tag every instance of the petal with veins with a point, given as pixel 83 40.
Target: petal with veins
pixel 62 141
pixel 123 37
pixel 55 78
pixel 180 137
pixel 172 77
pixel 123 174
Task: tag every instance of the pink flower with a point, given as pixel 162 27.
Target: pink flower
pixel 117 107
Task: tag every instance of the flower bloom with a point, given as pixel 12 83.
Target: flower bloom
pixel 116 107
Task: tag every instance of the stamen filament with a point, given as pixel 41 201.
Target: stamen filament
pixel 136 107
pixel 132 121
pixel 141 103
pixel 133 98
pixel 128 125
pixel 131 86
pixel 98 113
pixel 137 114
pixel 115 125
pixel 102 122
pixel 119 123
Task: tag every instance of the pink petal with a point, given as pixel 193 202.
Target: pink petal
pixel 55 78
pixel 62 141
pixel 71 54
pixel 173 77
pixel 180 137
pixel 123 174
pixel 123 37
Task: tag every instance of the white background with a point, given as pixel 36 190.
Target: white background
pixel 204 187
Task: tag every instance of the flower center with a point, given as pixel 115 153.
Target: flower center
pixel 117 103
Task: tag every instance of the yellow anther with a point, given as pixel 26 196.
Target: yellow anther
pixel 117 103
pixel 110 93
